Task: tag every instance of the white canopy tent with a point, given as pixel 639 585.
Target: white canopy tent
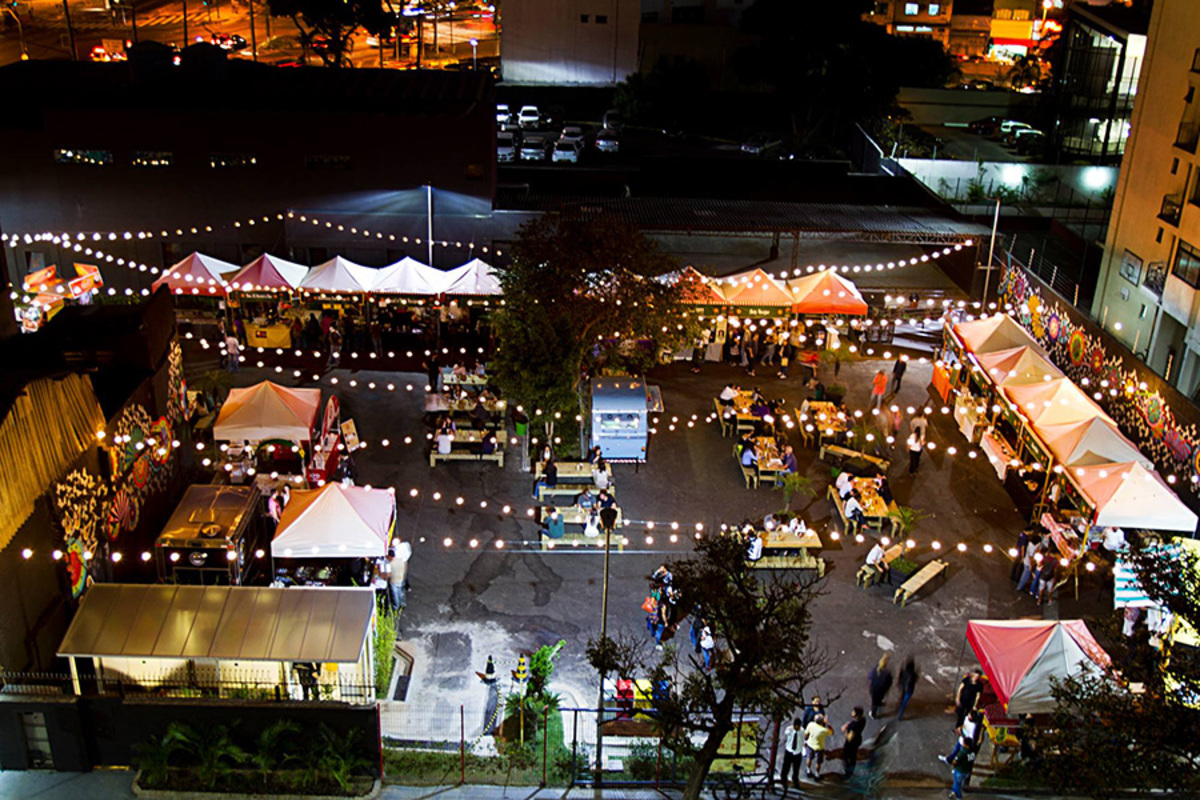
pixel 340 275
pixel 476 277
pixel 1131 496
pixel 997 332
pixel 197 274
pixel 1017 366
pixel 1053 402
pixel 268 272
pixel 336 521
pixel 267 411
pixel 409 276
pixel 1090 442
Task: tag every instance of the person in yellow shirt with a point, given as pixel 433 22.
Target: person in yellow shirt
pixel 814 739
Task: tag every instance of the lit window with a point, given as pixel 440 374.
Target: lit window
pixel 90 157
pixel 934 9
pixel 912 9
pixel 152 158
pixel 219 160
pixel 1187 264
pixel 1004 13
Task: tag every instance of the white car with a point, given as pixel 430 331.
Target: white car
pixel 566 151
pixel 529 116
pixel 607 141
pixel 572 133
pixel 506 147
pixel 533 148
pixel 1010 125
pixel 503 114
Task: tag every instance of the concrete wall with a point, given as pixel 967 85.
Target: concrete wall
pixel 547 41
pixel 941 106
pixel 1061 185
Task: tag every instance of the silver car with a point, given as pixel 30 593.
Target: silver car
pixel 607 141
pixel 533 148
pixel 506 147
pixel 566 151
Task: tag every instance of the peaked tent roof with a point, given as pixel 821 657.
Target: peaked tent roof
pixel 1020 657
pixel 826 292
pixel 268 411
pixel 697 289
pixel 476 277
pixel 1017 366
pixel 409 276
pixel 1053 402
pixel 1090 442
pixel 997 332
pixel 197 274
pixel 755 288
pixel 269 272
pixel 340 275
pixel 1129 495
pixel 335 521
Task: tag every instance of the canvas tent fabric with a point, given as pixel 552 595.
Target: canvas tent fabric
pixel 197 274
pixel 1132 496
pixel 268 272
pixel 756 289
pixel 997 332
pixel 474 278
pixel 335 521
pixel 228 623
pixel 1053 402
pixel 409 276
pixel 826 292
pixel 696 289
pixel 1017 366
pixel 339 275
pixel 268 411
pixel 1020 657
pixel 1089 443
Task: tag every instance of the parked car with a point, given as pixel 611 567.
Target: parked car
pixel 227 41
pixel 607 141
pixel 1007 126
pixel 506 147
pixel 503 114
pixel 987 126
pixel 613 120
pixel 566 151
pixel 760 143
pixel 529 116
pixel 1010 136
pixel 533 148
pixel 1030 142
pixel 572 133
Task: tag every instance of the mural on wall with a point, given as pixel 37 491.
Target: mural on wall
pixel 79 500
pixel 176 385
pixel 1142 413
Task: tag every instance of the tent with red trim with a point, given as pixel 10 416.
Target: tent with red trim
pixel 826 292
pixel 268 272
pixel 756 289
pixel 696 289
pixel 197 274
pixel 1021 657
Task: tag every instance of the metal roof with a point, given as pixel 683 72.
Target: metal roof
pixel 212 513
pixel 231 623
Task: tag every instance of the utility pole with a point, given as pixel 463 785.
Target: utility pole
pixel 70 30
pixel 429 220
pixel 608 530
pixel 253 38
pixel 987 274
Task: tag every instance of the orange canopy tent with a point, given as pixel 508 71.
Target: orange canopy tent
pixel 756 289
pixel 696 289
pixel 826 292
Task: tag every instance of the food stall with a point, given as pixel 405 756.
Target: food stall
pixel 212 536
pixel 327 450
pixel 197 275
pixel 260 290
pixel 269 419
pixel 322 530
pixel 225 641
pixel 826 293
pixel 619 418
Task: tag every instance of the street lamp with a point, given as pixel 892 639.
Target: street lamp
pixel 474 53
pixel 21 33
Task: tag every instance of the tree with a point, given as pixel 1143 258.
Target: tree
pixel 581 297
pixel 1107 738
pixel 673 93
pixel 1025 71
pixel 767 656
pixel 796 485
pixel 330 24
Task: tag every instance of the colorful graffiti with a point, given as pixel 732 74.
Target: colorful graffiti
pixel 79 499
pixel 1142 413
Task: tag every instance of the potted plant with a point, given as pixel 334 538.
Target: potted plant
pixel 907 519
pixel 795 485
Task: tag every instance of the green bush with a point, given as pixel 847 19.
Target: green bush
pixel 385 647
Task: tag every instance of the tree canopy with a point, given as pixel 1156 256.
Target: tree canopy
pixel 329 24
pixel 766 653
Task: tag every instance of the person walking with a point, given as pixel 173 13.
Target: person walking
pixel 879 681
pixel 961 769
pixel 907 684
pixel 233 352
pixel 879 386
pixel 793 754
pixel 1018 564
pixel 919 425
pixel 815 736
pixel 852 733
pixel 898 370
pixel 915 448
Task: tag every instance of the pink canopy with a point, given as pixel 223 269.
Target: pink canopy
pixel 1017 366
pixel 1053 402
pixel 197 274
pixel 1020 656
pixel 997 332
pixel 756 288
pixel 1130 495
pixel 268 272
pixel 826 292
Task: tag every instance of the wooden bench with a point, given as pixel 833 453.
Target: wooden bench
pixel 868 575
pixel 726 424
pixel 844 454
pixel 466 455
pixel 806 561
pixel 579 540
pixel 578 472
pixel 571 490
pixel 922 577
pixel 840 507
pixel 749 474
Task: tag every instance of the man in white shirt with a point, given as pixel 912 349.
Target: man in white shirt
pixel 875 561
pixel 844 484
pixel 793 748
pixel 854 509
pixel 728 394
pixel 444 440
pixel 396 570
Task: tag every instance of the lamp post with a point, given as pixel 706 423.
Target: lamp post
pixel 474 53
pixel 21 33
pixel 429 221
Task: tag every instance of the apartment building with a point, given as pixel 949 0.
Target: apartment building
pixel 1148 292
pixel 570 42
pixel 926 18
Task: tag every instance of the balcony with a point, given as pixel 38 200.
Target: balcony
pixel 1172 209
pixel 1189 133
pixel 1196 60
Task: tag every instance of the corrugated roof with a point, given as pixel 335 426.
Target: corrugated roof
pixel 235 623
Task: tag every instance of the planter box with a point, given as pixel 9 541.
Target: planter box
pixel 166 794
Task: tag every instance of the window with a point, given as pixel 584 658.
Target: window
pixel 1004 13
pixel 1174 166
pixel 1158 236
pixel 327 162
pixel 95 158
pixel 1186 266
pixel 601 19
pixel 1020 13
pixel 934 9
pixel 583 18
pixel 152 158
pixel 912 9
pixel 220 160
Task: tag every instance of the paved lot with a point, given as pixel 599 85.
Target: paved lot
pixel 471 602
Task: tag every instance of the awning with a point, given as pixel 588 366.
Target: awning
pixel 826 292
pixel 229 623
pixel 336 521
pixel 267 411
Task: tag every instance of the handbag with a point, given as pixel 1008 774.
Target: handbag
pixel 650 605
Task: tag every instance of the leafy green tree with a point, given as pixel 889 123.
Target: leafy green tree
pixel 581 297
pixel 1025 71
pixel 326 27
pixel 766 653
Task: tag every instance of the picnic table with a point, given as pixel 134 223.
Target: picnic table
pixel 573 472
pixel 466 405
pixel 574 515
pixel 784 549
pixel 462 448
pixel 828 420
pixel 923 576
pixel 470 379
pixel 770 459
pixel 874 506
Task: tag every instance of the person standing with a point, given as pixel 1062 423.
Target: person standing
pixel 793 754
pixel 1018 564
pixel 1047 576
pixel 815 736
pixel 879 681
pixel 969 690
pixel 396 569
pixel 707 645
pixel 1030 565
pixel 961 769
pixel 879 386
pixel 907 683
pixel 699 347
pixel 919 425
pixel 233 352
pixel 852 733
pixel 915 447
pixel 898 370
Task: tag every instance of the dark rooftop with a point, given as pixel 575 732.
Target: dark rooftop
pixel 1119 19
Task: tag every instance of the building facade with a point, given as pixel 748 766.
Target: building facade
pixel 570 42
pixel 926 18
pixel 1148 294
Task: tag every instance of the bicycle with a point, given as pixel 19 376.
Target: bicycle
pixel 740 785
